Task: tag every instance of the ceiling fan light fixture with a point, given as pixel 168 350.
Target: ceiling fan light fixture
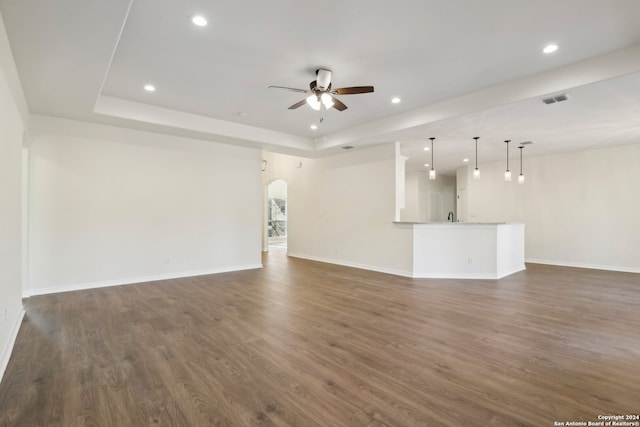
pixel 327 101
pixel 323 79
pixel 321 93
pixel 314 102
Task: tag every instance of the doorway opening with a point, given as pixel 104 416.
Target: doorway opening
pixel 277 214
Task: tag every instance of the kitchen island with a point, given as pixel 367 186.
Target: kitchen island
pixel 465 250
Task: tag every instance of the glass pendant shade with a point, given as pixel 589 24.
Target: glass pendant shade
pixel 507 175
pixel 521 179
pixel 313 102
pixel 432 174
pixel 327 101
pixel 476 173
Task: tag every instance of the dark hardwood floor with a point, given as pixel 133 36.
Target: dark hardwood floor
pixel 301 343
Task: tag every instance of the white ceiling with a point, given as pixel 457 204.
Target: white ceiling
pixel 462 68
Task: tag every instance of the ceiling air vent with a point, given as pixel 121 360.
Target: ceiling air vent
pixel 526 143
pixel 347 147
pixel 558 98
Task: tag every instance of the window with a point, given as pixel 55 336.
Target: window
pixel 277 217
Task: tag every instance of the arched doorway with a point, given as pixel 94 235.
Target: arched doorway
pixel 276 214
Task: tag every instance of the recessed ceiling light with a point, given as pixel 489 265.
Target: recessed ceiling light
pixel 550 48
pixel 395 100
pixel 426 165
pixel 199 20
pixel 149 88
pixel 426 148
pixel 313 127
pixel 465 160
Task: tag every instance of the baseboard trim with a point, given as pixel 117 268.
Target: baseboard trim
pixel 583 265
pixel 512 271
pixel 352 264
pixel 463 276
pixel 8 349
pixel 469 276
pixel 408 274
pixel 133 280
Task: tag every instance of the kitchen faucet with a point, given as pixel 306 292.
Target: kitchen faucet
pixel 450 217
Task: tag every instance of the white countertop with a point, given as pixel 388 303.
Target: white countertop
pixel 454 223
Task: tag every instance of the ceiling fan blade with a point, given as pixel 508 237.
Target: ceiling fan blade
pixel 338 105
pixel 352 90
pixel 298 104
pixel 290 88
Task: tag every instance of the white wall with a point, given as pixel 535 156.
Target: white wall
pixel 12 125
pixel 580 208
pixel 341 209
pixel 428 200
pixel 462 186
pixel 412 199
pixel 111 205
pixel 278 189
pixel 439 197
pixel 281 166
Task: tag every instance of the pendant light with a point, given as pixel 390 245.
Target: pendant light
pixel 476 171
pixel 507 173
pixel 432 172
pixel 521 176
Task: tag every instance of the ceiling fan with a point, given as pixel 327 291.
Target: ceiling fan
pixel 321 93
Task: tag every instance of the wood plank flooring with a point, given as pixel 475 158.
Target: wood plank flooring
pixel 301 343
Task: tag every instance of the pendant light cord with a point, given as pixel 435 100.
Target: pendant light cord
pixel 508 141
pixel 476 138
pixel 431 152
